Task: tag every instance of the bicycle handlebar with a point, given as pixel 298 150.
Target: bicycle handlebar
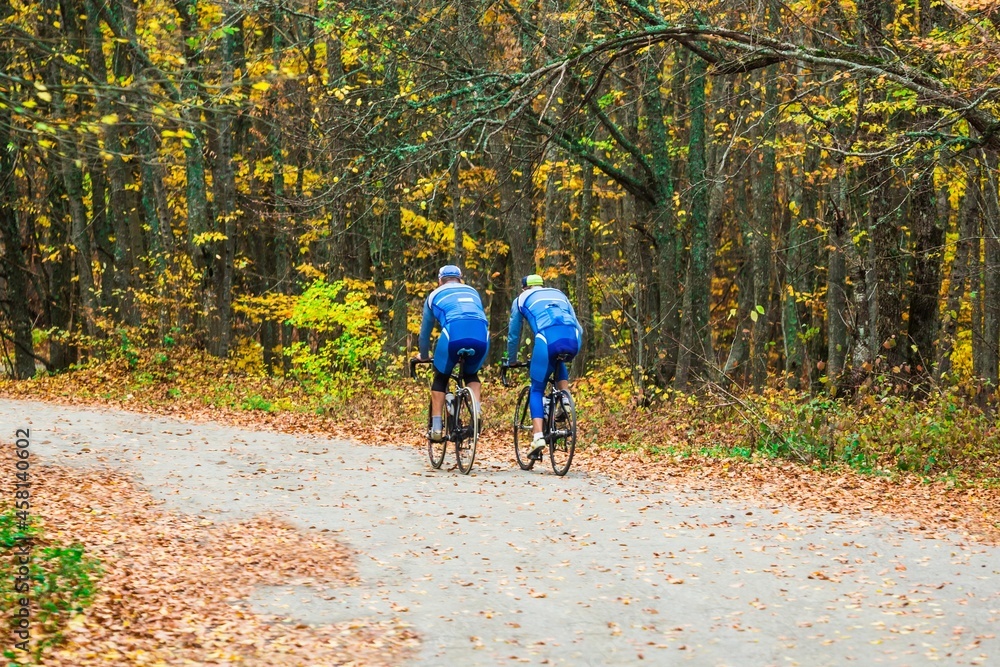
pixel 505 367
pixel 414 362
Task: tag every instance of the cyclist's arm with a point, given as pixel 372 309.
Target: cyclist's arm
pixel 426 326
pixel 514 333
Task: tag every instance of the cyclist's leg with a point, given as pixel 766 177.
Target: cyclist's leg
pixel 472 335
pixel 561 376
pixel 443 363
pixel 562 340
pixel 539 371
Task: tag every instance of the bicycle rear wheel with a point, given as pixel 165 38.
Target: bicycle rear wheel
pixel 435 450
pixel 466 434
pixel 523 430
pixel 562 431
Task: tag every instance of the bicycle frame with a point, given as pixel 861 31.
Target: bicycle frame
pixel 464 436
pixel 548 394
pixel 555 437
pixel 457 377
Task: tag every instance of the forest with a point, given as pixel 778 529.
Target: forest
pixel 797 195
pixel 778 223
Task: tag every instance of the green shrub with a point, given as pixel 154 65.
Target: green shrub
pixel 930 436
pixel 62 579
pixel 125 350
pixel 255 402
pixel 346 337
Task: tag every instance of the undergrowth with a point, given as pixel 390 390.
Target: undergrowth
pixel 941 436
pixel 62 584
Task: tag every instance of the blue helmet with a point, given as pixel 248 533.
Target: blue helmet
pixel 449 271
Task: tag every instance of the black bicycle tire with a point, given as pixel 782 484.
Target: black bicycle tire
pixel 522 410
pixel 468 434
pixel 570 438
pixel 435 447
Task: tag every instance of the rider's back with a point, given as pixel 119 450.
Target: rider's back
pixel 456 301
pixel 545 307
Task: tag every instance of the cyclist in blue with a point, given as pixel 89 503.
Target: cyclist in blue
pixel 457 308
pixel 557 331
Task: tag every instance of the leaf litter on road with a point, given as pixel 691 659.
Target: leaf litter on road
pixel 936 507
pixel 173 585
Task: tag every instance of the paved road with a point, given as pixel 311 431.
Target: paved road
pixel 507 567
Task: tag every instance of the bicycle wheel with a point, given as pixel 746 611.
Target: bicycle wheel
pixel 523 430
pixel 435 450
pixel 466 429
pixel 562 431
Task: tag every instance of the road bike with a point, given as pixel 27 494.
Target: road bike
pixel 559 424
pixel 460 419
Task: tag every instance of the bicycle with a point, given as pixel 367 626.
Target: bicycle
pixel 559 426
pixel 462 419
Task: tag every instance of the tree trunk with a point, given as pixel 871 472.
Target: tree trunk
pixel 553 215
pixel 73 182
pixel 836 284
pixel 500 297
pixel 815 347
pixel 584 266
pixel 763 222
pixel 928 241
pixel 15 266
pixel 961 268
pixel 456 214
pixel 791 322
pixel 977 277
pixel 694 353
pixel 396 341
pixel 991 283
pixel 798 263
pixel 59 297
pixel 743 282
pixel 224 185
pixel 664 226
pixel 889 343
pixel 119 181
pixel 515 203
pixel 101 216
pixel 861 320
pixel 154 210
pixel 120 185
pixel 69 168
pixel 270 329
pixel 196 188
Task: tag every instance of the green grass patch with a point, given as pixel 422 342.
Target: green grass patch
pixel 62 584
pixel 942 434
pixel 256 402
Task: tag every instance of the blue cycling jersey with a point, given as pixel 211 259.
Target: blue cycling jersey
pixel 542 307
pixel 449 303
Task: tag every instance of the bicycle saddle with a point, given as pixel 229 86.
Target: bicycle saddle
pixel 466 352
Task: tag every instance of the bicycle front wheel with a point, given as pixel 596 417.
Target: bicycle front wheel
pixel 523 430
pixel 435 450
pixel 466 429
pixel 562 431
